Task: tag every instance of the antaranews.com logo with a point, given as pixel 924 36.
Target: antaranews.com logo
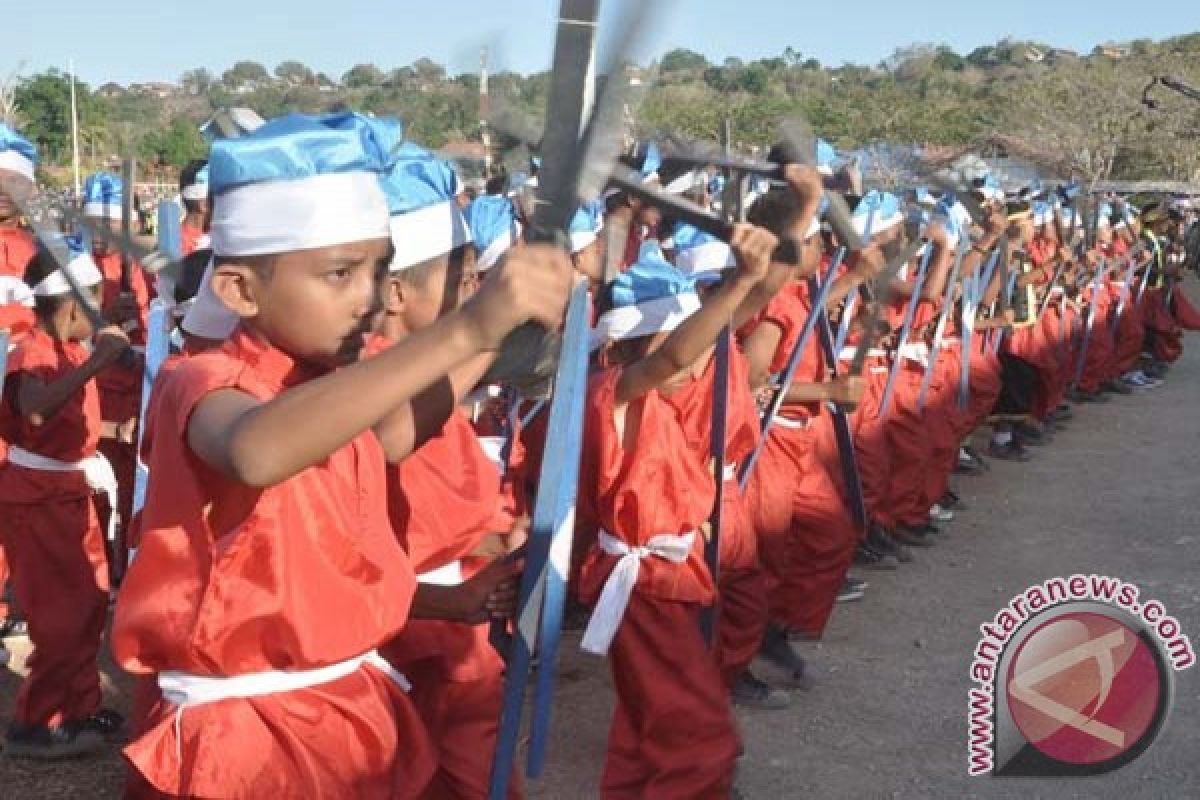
pixel 1074 677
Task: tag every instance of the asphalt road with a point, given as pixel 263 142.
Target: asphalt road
pixel 1114 495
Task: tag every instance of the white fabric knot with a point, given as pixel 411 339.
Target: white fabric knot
pixel 614 598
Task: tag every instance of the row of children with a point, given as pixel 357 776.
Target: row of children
pixel 335 508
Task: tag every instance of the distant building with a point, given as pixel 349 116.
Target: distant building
pixel 1112 50
pixel 1034 55
pixel 111 90
pixel 1057 54
pixel 230 123
pixel 157 89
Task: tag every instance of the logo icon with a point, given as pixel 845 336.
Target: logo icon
pixel 1082 689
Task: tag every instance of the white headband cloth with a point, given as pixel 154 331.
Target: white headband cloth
pixel 15 162
pixel 81 268
pixel 289 215
pixel 427 233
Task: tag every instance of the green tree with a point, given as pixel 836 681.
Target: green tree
pixel 948 60
pixel 681 60
pixel 197 81
pixel 363 76
pixel 45 103
pixel 245 75
pixel 177 144
pixel 294 73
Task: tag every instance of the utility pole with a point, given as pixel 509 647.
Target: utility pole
pixel 484 112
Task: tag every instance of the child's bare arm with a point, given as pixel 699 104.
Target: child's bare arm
pixel 261 444
pixel 416 422
pixel 40 402
pixel 753 247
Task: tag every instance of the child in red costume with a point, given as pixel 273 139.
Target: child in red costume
pixel 52 531
pixel 445 499
pixel 268 571
pixel 672 733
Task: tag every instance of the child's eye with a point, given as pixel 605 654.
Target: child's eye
pixel 338 275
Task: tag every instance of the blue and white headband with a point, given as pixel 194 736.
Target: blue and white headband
pixel 421 192
pixel 80 266
pixel 17 154
pixel 297 183
pixel 650 297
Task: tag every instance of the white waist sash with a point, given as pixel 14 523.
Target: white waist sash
pixel 848 353
pixel 185 690
pixel 917 352
pixel 614 598
pixel 730 473
pixel 447 575
pixel 792 424
pixel 95 468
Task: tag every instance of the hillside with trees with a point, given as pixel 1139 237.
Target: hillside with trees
pixel 1072 113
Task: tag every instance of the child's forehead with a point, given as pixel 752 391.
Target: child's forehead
pixel 349 253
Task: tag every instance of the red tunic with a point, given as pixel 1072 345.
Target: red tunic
pixel 17 247
pixel 787 311
pixel 693 403
pixel 121 386
pixel 70 436
pixel 232 580
pixel 655 487
pixel 52 538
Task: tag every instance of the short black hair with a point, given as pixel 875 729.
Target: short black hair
pixel 187 176
pixel 192 275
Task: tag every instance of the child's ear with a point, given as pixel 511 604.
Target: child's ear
pixel 240 287
pixel 395 293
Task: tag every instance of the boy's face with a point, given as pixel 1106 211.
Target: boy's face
pixel 14 187
pixel 443 286
pixel 316 305
pixel 100 247
pixel 589 262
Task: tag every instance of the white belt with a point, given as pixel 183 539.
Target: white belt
pixel 447 575
pixel 185 690
pixel 730 473
pixel 848 353
pixel 95 468
pixel 614 598
pixel 493 448
pixel 792 424
pixel 917 352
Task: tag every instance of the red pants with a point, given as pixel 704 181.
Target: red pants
pixel 943 422
pixel 1130 338
pixel 672 733
pixel 986 382
pixel 912 448
pixel 1099 354
pixel 1165 332
pixel 1185 313
pixel 462 719
pixel 457 682
pixel 806 533
pixel 741 589
pixel 871 446
pixel 60 581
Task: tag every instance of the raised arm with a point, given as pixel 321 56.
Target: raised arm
pixel 261 444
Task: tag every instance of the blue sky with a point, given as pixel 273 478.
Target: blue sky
pixel 126 41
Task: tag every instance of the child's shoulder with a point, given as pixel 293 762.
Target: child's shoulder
pixel 39 351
